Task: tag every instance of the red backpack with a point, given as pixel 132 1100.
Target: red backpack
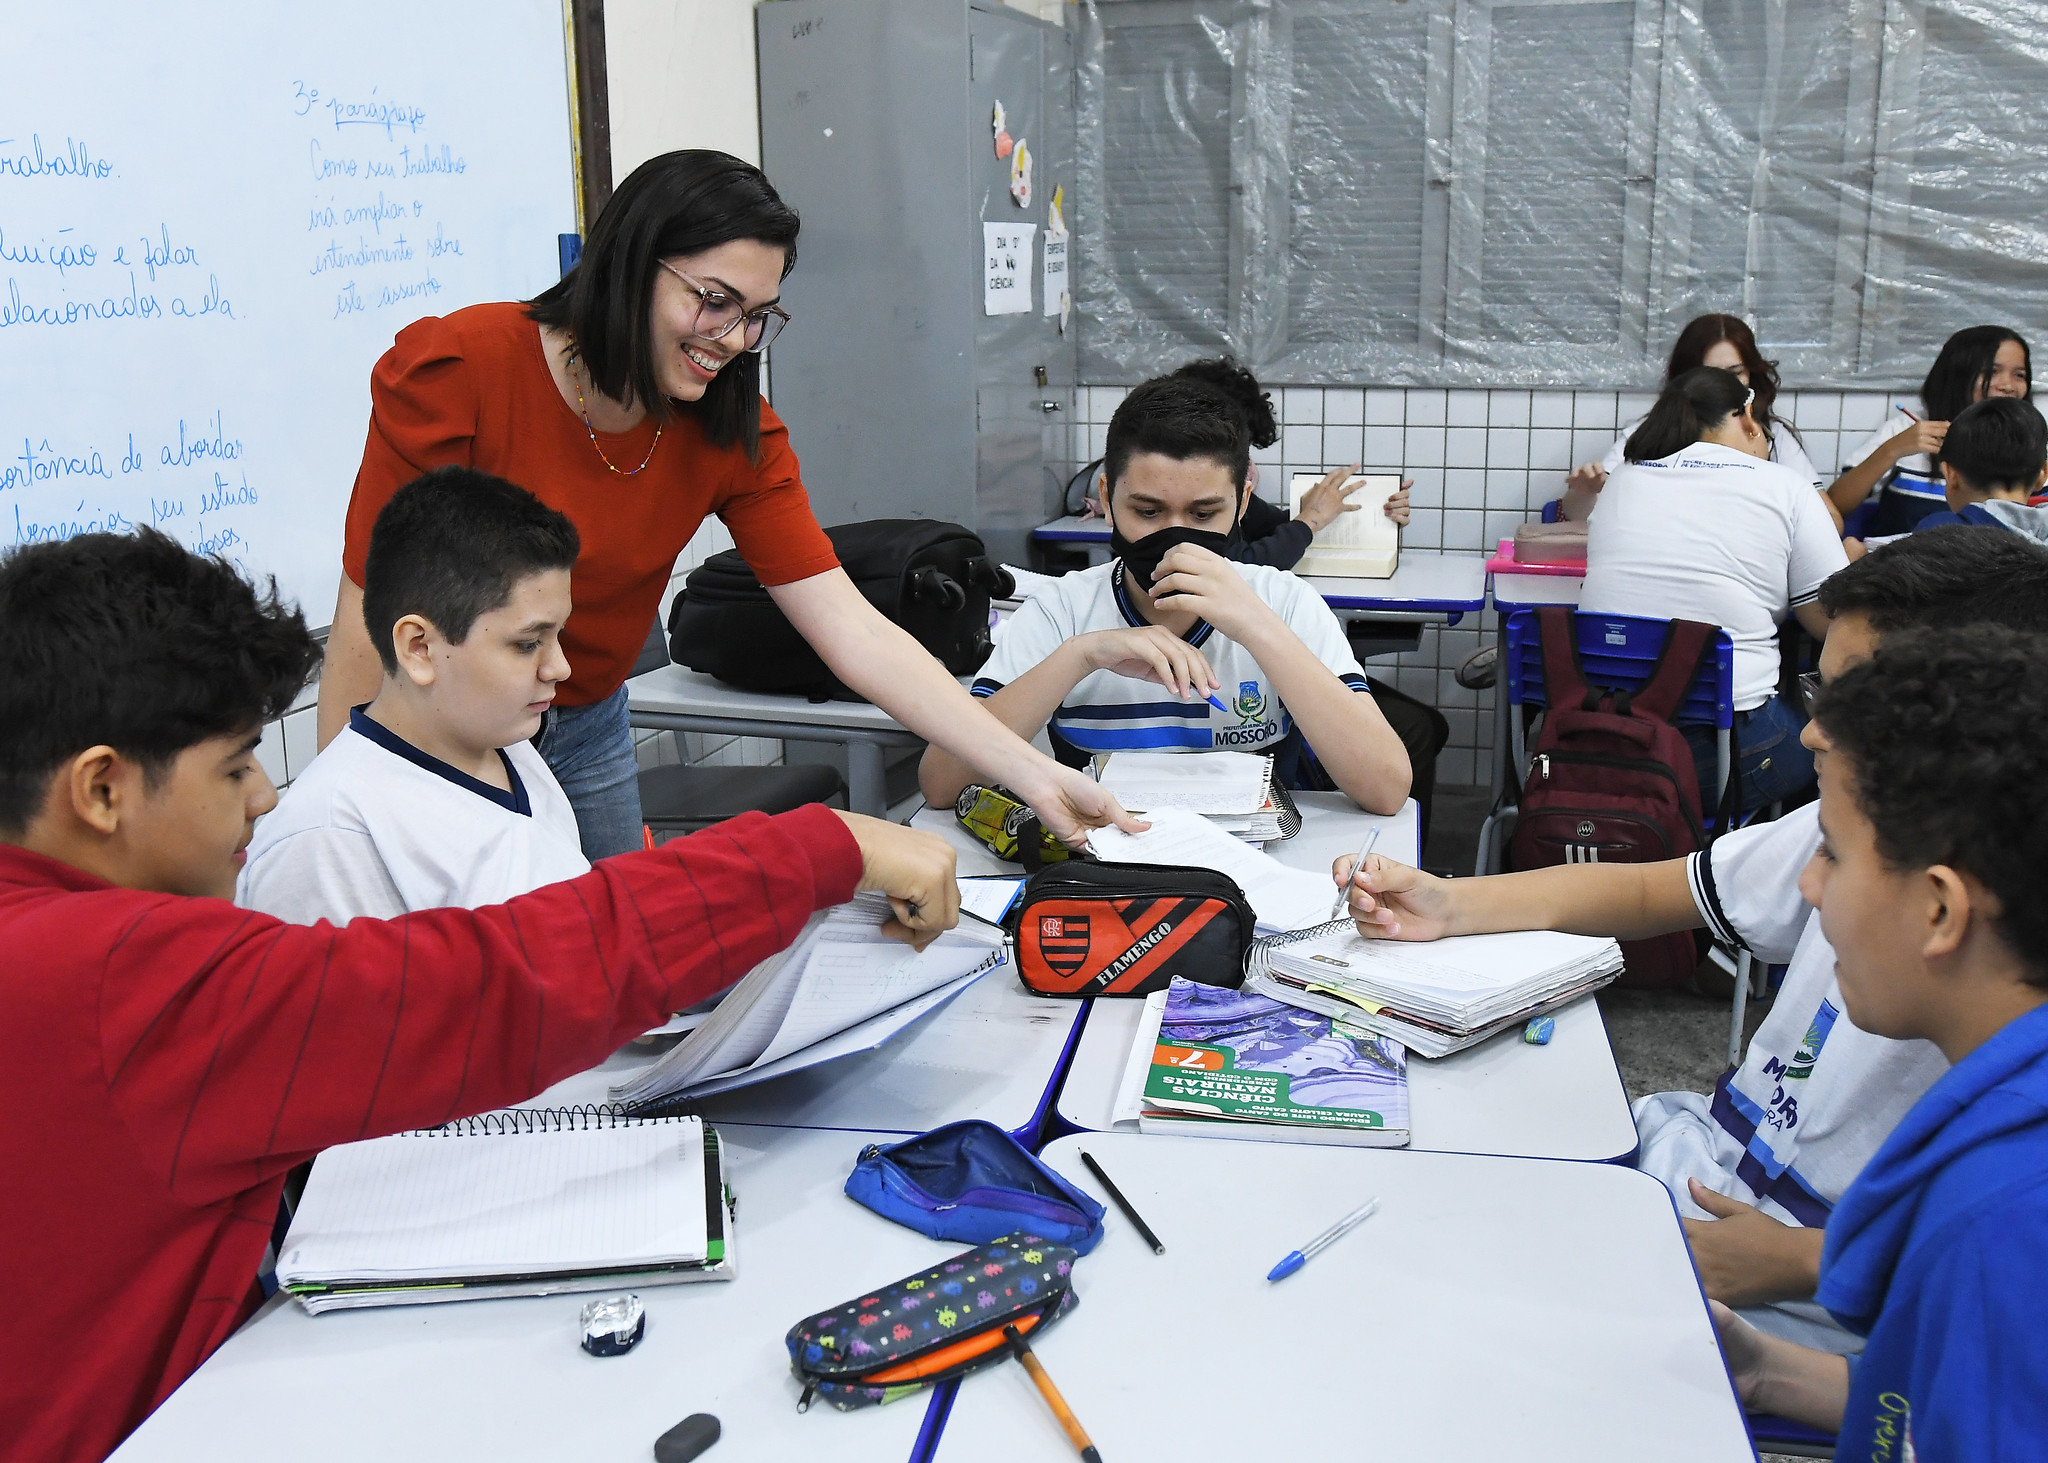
pixel 1612 781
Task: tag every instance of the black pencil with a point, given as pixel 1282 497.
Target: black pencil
pixel 1124 1204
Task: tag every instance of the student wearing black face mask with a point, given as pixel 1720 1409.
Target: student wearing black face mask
pixel 1171 646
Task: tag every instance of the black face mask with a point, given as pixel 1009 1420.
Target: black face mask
pixel 1141 556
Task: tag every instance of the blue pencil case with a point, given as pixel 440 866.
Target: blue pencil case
pixel 973 1182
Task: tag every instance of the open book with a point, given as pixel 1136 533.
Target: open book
pixel 522 1202
pixel 843 986
pixel 1361 545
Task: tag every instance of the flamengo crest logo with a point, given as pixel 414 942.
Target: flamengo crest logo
pixel 1063 941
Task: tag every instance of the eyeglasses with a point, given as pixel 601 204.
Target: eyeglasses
pixel 718 312
pixel 1810 685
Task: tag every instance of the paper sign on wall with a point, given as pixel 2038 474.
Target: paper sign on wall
pixel 1054 295
pixel 1006 268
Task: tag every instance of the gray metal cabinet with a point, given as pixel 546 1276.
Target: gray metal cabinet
pixel 903 398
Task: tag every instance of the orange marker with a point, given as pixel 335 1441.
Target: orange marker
pixel 946 1357
pixel 1075 1432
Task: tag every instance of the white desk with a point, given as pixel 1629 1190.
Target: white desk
pixel 1564 1100
pixel 675 699
pixel 994 1052
pixel 505 1378
pixel 1493 1308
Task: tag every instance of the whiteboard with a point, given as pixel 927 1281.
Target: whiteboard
pixel 215 215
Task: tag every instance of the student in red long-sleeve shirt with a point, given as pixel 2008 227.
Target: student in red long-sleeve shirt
pixel 165 1057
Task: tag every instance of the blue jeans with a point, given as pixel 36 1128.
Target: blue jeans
pixel 1767 749
pixel 590 751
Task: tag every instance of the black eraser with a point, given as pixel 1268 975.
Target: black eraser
pixel 686 1439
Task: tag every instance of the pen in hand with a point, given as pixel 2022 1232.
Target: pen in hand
pixel 1337 910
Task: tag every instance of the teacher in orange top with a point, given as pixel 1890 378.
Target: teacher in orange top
pixel 628 397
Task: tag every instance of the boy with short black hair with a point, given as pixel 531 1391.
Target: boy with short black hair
pixel 1173 647
pixel 1993 459
pixel 1758 1165
pixel 166 1059
pixel 1934 814
pixel 433 794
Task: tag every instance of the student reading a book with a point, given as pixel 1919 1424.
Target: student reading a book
pixel 1171 646
pixel 166 1057
pixel 1898 460
pixel 433 794
pixel 1993 460
pixel 1725 341
pixel 1269 535
pixel 1698 524
pixel 1758 1165
pixel 1934 823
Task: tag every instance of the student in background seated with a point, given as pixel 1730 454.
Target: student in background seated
pixel 1270 536
pixel 1758 1166
pixel 433 794
pixel 1934 815
pixel 1994 459
pixel 166 1058
pixel 1125 655
pixel 1698 525
pixel 1900 456
pixel 1709 340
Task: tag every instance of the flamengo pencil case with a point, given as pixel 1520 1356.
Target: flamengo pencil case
pixel 972 1181
pixel 1095 929
pixel 933 1326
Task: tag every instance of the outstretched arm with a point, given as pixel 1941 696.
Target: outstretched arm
pixel 1624 901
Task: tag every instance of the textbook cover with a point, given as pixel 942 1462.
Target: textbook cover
pixel 1236 1064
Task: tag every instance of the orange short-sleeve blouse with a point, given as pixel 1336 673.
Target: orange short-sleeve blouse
pixel 473 389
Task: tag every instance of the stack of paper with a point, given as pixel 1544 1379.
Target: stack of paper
pixel 1233 790
pixel 1433 998
pixel 515 1203
pixel 843 987
pixel 1282 898
pixel 1214 1063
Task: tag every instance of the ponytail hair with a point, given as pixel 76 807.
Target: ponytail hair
pixel 1230 377
pixel 1692 405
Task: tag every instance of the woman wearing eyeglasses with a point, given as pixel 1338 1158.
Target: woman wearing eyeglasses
pixel 628 397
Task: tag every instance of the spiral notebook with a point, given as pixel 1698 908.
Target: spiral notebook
pixel 1434 998
pixel 520 1202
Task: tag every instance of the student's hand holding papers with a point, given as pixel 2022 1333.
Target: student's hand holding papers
pixel 915 870
pixel 1390 901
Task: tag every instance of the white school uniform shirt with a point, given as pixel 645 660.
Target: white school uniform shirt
pixel 1915 476
pixel 1106 712
pixel 1816 1095
pixel 1785 451
pixel 1713 534
pixel 376 827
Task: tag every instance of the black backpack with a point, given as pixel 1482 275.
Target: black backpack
pixel 934 579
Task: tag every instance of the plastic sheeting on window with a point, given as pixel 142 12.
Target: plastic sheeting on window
pixel 1542 192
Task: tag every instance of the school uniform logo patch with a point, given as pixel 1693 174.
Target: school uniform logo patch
pixel 1063 941
pixel 1251 701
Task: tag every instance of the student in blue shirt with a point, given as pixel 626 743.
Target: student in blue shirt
pixel 1994 459
pixel 1934 821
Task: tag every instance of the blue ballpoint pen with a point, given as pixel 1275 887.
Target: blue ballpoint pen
pixel 1298 1258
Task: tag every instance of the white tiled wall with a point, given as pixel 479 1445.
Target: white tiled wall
pixel 1482 461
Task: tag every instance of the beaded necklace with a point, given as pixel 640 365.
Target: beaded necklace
pixel 659 427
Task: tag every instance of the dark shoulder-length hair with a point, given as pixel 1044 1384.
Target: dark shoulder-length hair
pixel 1690 407
pixel 1964 365
pixel 1702 334
pixel 678 203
